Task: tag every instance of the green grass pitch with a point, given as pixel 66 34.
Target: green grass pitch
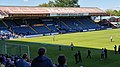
pixel 82 41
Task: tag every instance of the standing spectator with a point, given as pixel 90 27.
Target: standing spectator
pixel 119 49
pixel 102 54
pixel 89 54
pixel 105 51
pixel 115 49
pixel 41 60
pixel 72 46
pixel 53 37
pixel 60 47
pixel 79 56
pixel 23 62
pixel 111 38
pixel 62 61
pixel 76 59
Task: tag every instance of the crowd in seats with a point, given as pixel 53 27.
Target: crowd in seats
pixel 9 36
pixel 14 61
pixel 40 61
pixel 24 61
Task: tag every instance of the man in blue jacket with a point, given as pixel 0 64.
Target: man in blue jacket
pixel 41 60
pixel 23 62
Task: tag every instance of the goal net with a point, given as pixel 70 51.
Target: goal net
pixel 15 49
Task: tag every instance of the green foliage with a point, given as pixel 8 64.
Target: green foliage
pixel 61 3
pixel 66 3
pixel 113 12
pixel 44 5
pixel 51 3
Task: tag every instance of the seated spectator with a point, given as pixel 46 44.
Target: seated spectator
pixel 23 62
pixel 41 60
pixel 62 61
pixel 10 62
pixel 1 65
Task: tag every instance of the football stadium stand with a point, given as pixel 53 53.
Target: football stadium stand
pixel 48 20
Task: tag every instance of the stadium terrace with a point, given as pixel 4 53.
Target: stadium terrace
pixel 40 21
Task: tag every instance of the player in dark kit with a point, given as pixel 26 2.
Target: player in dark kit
pixel 72 46
pixel 115 49
pixel 79 56
pixel 76 59
pixel 89 54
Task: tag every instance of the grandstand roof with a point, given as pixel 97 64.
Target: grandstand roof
pixel 50 10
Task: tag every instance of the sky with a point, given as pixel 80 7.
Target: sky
pixel 103 4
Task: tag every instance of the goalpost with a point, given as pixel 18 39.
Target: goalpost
pixel 16 49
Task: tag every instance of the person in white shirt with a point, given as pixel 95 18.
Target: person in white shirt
pixel 53 37
pixel 111 38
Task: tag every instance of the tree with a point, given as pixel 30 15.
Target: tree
pixel 113 12
pixel 119 12
pixel 61 3
pixel 44 5
pixel 109 12
pixel 51 4
pixel 66 3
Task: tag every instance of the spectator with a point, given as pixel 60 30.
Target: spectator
pixel 53 37
pixel 102 54
pixel 79 56
pixel 111 38
pixel 76 58
pixel 1 60
pixel 115 49
pixel 105 51
pixel 1 65
pixel 23 62
pixel 62 61
pixel 4 59
pixel 60 47
pixel 54 65
pixel 41 60
pixel 72 46
pixel 10 62
pixel 119 49
pixel 89 54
